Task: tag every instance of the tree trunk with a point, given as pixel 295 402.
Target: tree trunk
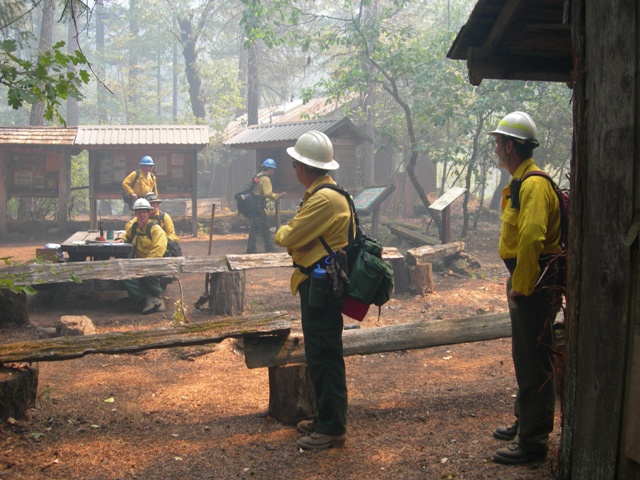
pixel 73 113
pixel 496 199
pixel 189 39
pixel 227 293
pixel 46 35
pixel 291 394
pixel 13 307
pixel 132 93
pixel 253 85
pixel 18 391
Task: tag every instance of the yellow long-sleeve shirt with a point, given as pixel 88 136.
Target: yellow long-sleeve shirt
pixel 143 246
pixel 325 213
pixel 166 223
pixel 143 185
pixel 531 231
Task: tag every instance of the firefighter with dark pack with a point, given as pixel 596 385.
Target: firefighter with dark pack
pixel 261 192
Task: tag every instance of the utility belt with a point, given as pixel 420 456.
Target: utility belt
pixel 552 268
pixel 307 270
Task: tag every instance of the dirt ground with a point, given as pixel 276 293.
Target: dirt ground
pixel 198 412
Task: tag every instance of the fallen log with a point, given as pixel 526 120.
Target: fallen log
pixel 65 348
pixel 277 351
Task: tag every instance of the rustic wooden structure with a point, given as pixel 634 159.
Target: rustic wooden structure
pixel 225 275
pixel 272 140
pixel 290 391
pixel 36 162
pixel 268 342
pixel 594 47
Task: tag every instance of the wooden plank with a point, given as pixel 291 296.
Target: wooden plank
pixel 415 238
pixel 273 351
pixel 249 261
pixel 124 268
pixel 436 255
pixel 65 348
pixel 114 269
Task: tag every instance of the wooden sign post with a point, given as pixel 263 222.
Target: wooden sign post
pixel 369 201
pixel 442 204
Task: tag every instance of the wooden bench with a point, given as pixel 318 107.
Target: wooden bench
pixel 410 235
pixel 225 274
pixel 268 342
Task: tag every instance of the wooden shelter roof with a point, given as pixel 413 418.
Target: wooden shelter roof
pixel 37 135
pixel 286 133
pixel 516 40
pixel 111 135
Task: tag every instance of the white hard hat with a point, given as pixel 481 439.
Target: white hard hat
pixel 315 149
pixel 518 125
pixel 141 204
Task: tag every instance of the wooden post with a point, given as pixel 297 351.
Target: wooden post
pixel 291 394
pixel 421 279
pixel 14 308
pixel 227 292
pixel 18 391
pixel 446 225
pixel 374 222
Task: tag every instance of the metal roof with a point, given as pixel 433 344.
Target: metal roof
pixel 516 40
pixel 290 132
pixel 37 135
pixel 142 135
pixel 294 111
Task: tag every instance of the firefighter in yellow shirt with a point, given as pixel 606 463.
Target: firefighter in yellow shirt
pixel 326 213
pixel 149 241
pixel 530 231
pixel 139 182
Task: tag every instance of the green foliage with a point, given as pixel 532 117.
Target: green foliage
pixel 50 78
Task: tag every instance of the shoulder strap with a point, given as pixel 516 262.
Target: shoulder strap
pixel 516 184
pixel 136 179
pixel 539 173
pixel 149 227
pixel 354 214
pixel 161 218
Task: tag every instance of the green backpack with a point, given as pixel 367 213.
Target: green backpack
pixel 370 278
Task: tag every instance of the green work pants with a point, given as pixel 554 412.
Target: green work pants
pixel 532 351
pixel 139 288
pixel 260 227
pixel 322 330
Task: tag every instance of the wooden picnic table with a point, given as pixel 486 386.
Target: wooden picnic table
pixel 86 243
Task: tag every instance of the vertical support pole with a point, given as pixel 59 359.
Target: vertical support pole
pixel 446 225
pixel 375 217
pixel 194 193
pixel 4 195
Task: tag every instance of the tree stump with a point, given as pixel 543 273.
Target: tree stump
pixel 18 390
pixel 14 307
pixel 227 292
pixel 421 279
pixel 291 394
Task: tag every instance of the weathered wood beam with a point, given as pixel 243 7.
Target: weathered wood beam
pixel 115 269
pixel 65 348
pixel 498 64
pixel 505 22
pixel 275 351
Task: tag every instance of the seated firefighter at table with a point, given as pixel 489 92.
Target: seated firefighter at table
pixel 166 222
pixel 149 241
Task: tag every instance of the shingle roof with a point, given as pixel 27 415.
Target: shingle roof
pixel 142 135
pixel 37 135
pixel 290 132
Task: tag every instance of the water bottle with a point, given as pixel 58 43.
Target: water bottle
pixel 317 287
